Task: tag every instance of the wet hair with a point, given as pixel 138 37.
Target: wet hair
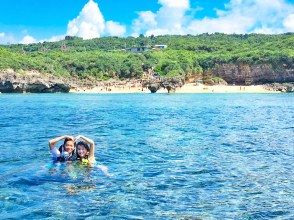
pixel 81 143
pixel 66 140
pixel 84 145
pixel 61 149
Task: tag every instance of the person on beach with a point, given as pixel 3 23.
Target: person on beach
pixel 66 152
pixel 85 150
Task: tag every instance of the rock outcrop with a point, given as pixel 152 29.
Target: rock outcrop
pixel 171 84
pixel 245 74
pixel 281 87
pixel 153 86
pixel 239 74
pixel 32 82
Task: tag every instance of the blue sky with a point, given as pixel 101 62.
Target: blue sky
pixel 29 21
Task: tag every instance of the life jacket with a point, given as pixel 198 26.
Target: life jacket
pixel 84 161
pixel 62 158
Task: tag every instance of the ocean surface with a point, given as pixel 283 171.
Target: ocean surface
pixel 180 156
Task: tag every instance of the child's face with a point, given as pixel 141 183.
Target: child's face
pixel 69 146
pixel 82 151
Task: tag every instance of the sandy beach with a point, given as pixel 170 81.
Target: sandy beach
pixel 192 88
pixel 187 88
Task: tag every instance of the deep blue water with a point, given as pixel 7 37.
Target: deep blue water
pixel 181 156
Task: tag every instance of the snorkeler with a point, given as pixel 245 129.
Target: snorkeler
pixel 85 150
pixel 65 152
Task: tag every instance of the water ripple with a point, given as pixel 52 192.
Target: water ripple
pixel 220 156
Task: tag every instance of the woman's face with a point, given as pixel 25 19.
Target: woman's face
pixel 69 146
pixel 82 151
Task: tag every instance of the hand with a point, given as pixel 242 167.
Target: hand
pixel 69 136
pixel 77 137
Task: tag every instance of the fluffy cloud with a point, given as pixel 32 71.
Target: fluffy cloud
pixel 6 38
pixel 88 24
pixel 28 40
pixel 222 25
pixel 175 4
pixel 114 29
pixel 289 23
pixel 174 17
pixel 53 38
pixel 145 22
pixel 91 24
pixel 239 16
pixel 169 19
pixel 2 38
pixel 56 38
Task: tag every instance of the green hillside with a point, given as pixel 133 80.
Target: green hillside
pixel 108 57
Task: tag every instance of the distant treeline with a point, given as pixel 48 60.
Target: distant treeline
pixel 108 57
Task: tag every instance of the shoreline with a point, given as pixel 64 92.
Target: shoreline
pixel 187 88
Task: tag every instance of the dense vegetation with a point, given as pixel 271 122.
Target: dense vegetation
pixel 105 58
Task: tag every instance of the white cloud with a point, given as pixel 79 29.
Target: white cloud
pixel 174 17
pixel 89 24
pixel 145 22
pixel 223 25
pixel 239 16
pixel 28 40
pixel 289 23
pixel 169 19
pixel 114 29
pixel 266 30
pixel 185 4
pixel 54 38
pixel 6 38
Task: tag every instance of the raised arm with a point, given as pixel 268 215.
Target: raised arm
pixel 91 143
pixel 52 142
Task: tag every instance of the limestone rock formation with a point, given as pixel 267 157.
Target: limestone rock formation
pixel 32 82
pixel 153 87
pixel 245 74
pixel 281 87
pixel 171 84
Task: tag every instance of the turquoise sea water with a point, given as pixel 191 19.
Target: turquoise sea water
pixel 181 156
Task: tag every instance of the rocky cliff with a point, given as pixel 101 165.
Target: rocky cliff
pixel 244 74
pixel 238 74
pixel 33 82
pixel 278 78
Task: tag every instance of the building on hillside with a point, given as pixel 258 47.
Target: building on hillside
pixel 198 82
pixel 138 49
pixel 142 49
pixel 160 46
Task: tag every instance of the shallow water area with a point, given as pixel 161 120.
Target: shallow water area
pixel 179 156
